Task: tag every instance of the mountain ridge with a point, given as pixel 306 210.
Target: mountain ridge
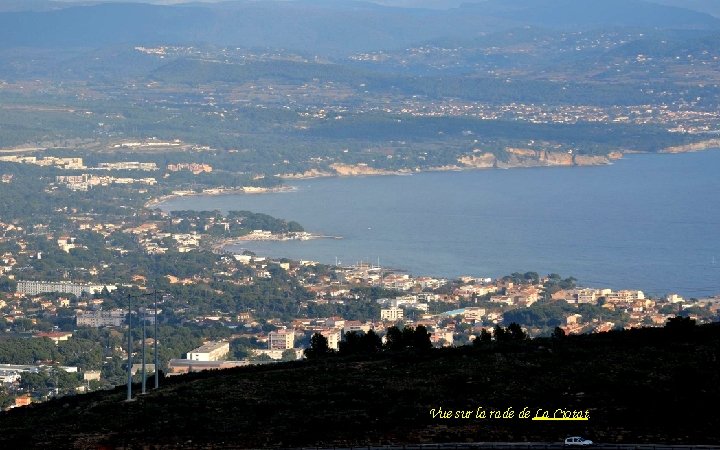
pixel 320 26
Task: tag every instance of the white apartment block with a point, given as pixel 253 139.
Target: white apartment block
pixel 391 314
pixel 210 351
pixel 101 318
pixel 65 287
pixel 128 165
pixel 281 340
pixel 333 337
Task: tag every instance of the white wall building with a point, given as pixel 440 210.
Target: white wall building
pixel 281 340
pixel 65 287
pixel 210 351
pixel 101 318
pixel 391 314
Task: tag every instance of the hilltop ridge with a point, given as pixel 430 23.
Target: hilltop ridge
pixel 636 386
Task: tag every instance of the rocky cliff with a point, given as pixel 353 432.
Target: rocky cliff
pixel 696 147
pixel 520 157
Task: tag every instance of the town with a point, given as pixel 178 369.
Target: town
pixel 69 286
pixel 97 280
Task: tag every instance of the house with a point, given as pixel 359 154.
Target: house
pixel 181 366
pixel 22 400
pixel 91 375
pixel 442 338
pixel 356 326
pixel 55 336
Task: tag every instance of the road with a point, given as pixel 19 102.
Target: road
pixel 521 446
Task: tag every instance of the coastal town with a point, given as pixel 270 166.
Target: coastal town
pixel 98 280
pixel 70 289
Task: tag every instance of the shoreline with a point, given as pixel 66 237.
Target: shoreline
pixel 639 160
pixel 221 244
pixel 701 146
pixel 520 159
pixel 154 203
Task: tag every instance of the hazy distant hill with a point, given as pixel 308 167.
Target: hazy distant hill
pixel 707 6
pixel 323 26
pixel 31 5
pixel 586 14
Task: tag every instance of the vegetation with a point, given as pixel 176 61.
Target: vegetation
pixel 628 381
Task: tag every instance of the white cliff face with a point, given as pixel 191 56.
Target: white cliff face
pixel 696 147
pixel 518 157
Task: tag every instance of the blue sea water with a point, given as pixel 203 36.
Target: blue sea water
pixel 649 222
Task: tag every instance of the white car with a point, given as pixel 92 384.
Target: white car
pixel 577 441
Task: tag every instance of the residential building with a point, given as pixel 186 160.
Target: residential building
pixel 128 165
pixel 181 366
pixel 391 314
pixel 101 318
pixel 66 287
pixel 442 338
pixel 55 336
pixel 281 340
pixel 91 375
pixel 210 351
pixel 356 326
pixel 333 337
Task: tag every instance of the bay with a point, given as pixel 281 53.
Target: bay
pixel 649 222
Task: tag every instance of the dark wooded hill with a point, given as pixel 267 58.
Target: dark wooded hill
pixel 650 385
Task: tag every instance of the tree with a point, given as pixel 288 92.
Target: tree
pixel 680 323
pixel 417 338
pixel 484 338
pixel 421 338
pixel 533 277
pixel 350 345
pixel 394 339
pixel 680 327
pixel 318 347
pixel 289 355
pixel 500 334
pixel 357 342
pixel 516 333
pixel 371 342
pixel 83 353
pixel 5 398
pixel 558 333
pixel 408 336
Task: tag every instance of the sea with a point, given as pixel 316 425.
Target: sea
pixel 647 222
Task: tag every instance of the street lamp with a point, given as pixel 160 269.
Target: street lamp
pixel 129 351
pixel 155 341
pixel 144 337
pixel 143 351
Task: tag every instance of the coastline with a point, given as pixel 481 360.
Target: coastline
pixel 518 159
pixel 696 147
pixel 221 244
pixel 155 202
pixel 636 163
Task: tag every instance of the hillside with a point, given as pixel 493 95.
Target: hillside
pixel 319 26
pixel 651 386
